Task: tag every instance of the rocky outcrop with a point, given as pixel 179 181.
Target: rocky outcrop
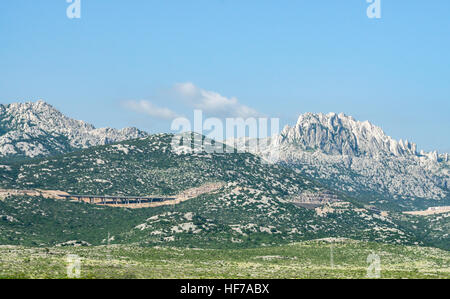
pixel 338 134
pixel 355 156
pixel 38 129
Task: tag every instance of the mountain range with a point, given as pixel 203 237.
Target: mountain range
pixel 334 149
pixel 38 130
pixel 370 178
pixel 359 158
pixel 253 207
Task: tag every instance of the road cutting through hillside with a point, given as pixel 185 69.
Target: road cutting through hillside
pixel 124 201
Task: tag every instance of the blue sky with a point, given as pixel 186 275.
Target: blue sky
pixel 275 58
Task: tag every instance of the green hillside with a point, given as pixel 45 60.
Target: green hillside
pixel 252 208
pixel 147 166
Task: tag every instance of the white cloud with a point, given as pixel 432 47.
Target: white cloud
pixel 212 102
pixel 148 108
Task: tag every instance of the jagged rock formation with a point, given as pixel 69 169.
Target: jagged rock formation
pixel 335 134
pixel 359 157
pixel 38 129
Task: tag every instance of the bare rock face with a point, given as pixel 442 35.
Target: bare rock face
pixel 351 156
pixel 38 129
pixel 342 135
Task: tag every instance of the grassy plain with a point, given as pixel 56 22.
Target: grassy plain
pixel 312 259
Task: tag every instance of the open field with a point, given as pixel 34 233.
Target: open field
pixel 313 259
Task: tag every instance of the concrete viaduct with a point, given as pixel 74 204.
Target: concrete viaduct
pixel 116 200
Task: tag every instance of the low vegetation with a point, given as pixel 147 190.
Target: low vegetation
pixel 312 259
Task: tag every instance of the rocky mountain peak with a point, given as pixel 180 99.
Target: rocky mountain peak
pixel 38 129
pixel 343 135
